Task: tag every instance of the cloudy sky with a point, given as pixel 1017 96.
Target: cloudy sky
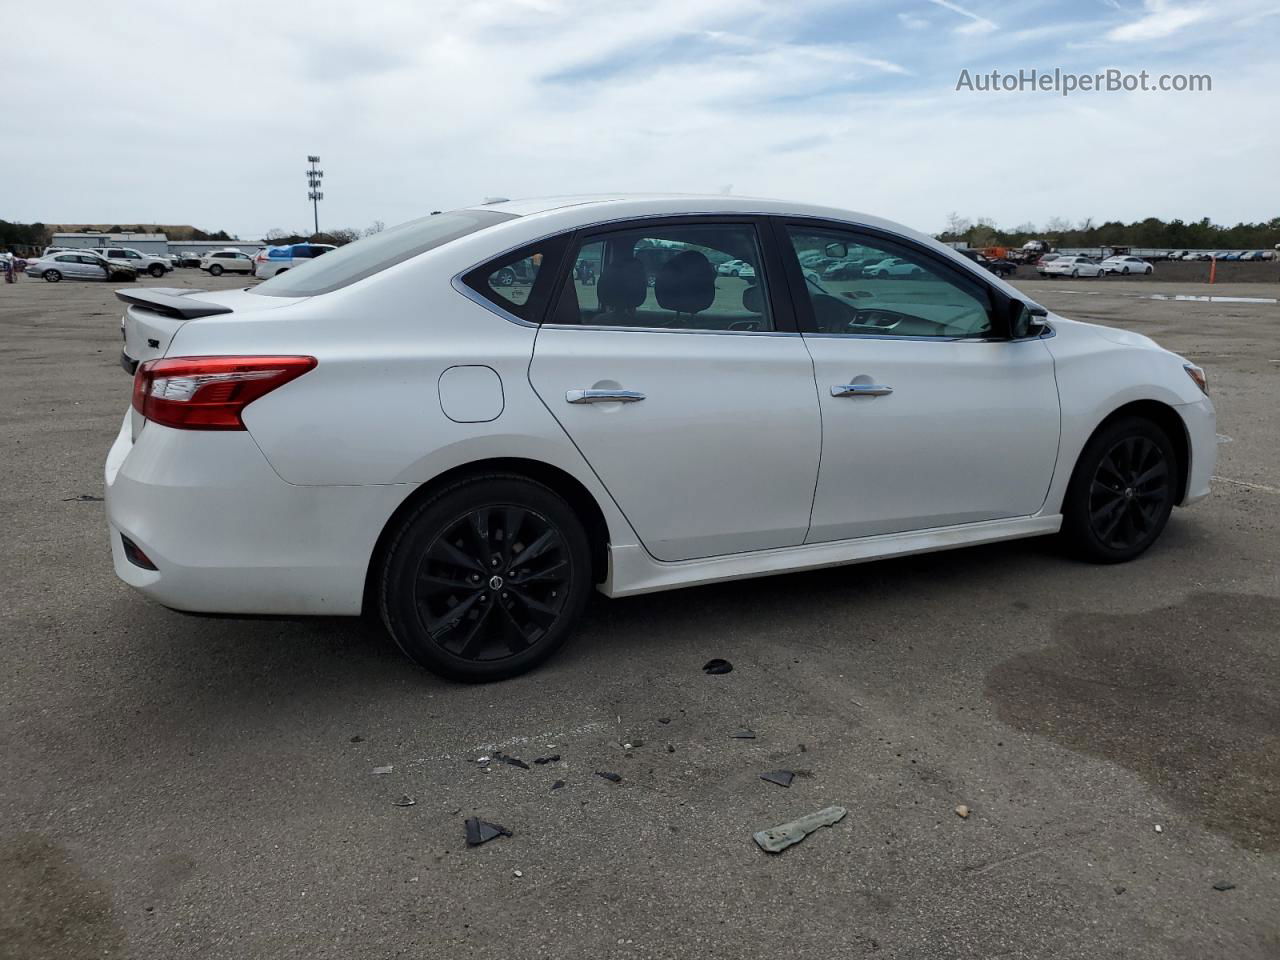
pixel 204 114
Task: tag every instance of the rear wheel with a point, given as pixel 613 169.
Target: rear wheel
pixel 486 579
pixel 216 270
pixel 1075 274
pixel 1121 493
pixel 52 276
pixel 156 270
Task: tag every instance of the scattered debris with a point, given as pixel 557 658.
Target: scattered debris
pixel 511 761
pixel 82 498
pixel 404 801
pixel 782 778
pixel 717 666
pixel 517 873
pixel 1159 829
pixel 671 748
pixel 557 785
pixel 357 739
pixel 1119 890
pixel 382 771
pixel 482 831
pixel 554 758
pixel 482 759
pixel 611 777
pixel 664 719
pixel 1223 885
pixel 962 812
pixel 633 744
pixel 803 748
pixel 777 839
pixel 743 734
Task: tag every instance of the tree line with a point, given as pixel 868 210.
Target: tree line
pixel 1151 232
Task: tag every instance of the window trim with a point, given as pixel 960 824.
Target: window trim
pixel 996 300
pixel 780 303
pixel 473 282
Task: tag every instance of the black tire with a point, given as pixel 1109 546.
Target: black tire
pixel 156 270
pixel 515 611
pixel 216 270
pixel 506 277
pixel 1121 493
pixel 52 276
pixel 1125 271
pixel 1075 274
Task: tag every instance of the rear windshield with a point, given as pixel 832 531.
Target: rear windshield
pixel 355 261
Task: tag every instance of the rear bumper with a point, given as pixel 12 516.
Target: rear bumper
pixel 227 535
pixel 1202 435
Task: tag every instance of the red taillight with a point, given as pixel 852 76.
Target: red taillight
pixel 209 393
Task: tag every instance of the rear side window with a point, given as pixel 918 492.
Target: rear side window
pixel 370 255
pixel 519 282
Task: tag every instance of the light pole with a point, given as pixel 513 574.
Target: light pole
pixel 314 177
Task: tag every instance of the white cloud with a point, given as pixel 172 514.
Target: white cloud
pixel 1161 19
pixel 913 22
pixel 417 106
pixel 976 25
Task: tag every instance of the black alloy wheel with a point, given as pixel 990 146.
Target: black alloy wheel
pixel 486 579
pixel 1122 492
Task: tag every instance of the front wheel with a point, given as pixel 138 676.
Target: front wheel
pixel 52 276
pixel 216 270
pixel 486 579
pixel 156 270
pixel 1121 492
pixel 1147 271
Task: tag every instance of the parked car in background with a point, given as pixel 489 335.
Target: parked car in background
pixel 736 268
pixel 1074 266
pixel 219 262
pixel 387 431
pixel 1126 265
pixel 156 266
pixel 189 258
pixel 78 265
pixel 844 270
pixel 891 267
pixel 1253 256
pixel 272 260
pixel 1044 260
pixel 997 265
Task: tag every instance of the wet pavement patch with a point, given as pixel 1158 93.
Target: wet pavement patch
pixel 50 909
pixel 1187 697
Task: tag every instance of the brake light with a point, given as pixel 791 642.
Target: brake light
pixel 209 393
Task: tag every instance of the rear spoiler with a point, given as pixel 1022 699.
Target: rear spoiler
pixel 175 302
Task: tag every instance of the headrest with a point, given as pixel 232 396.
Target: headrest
pixel 752 300
pixel 686 283
pixel 623 285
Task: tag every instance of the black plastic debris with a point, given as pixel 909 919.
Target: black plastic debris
pixel 404 801
pixel 512 761
pixel 357 739
pixel 717 666
pixel 671 748
pixel 557 785
pixel 782 778
pixel 664 719
pixel 1222 886
pixel 554 758
pixel 611 777
pixel 82 498
pixel 482 831
pixel 743 734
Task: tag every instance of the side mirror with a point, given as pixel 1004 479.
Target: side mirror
pixel 1025 319
pixel 836 251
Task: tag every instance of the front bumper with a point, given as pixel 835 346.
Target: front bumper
pixel 1201 422
pixel 227 535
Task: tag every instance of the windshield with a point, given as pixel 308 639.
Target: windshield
pixel 373 254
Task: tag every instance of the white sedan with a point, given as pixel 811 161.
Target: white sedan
pixel 892 267
pixel 1073 266
pixel 1126 265
pixel 388 429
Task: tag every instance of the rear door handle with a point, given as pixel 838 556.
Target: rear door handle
pixel 603 396
pixel 860 390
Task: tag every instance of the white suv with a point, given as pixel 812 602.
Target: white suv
pixel 142 262
pixel 226 261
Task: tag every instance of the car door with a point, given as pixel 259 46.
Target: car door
pixel 930 418
pixel 689 393
pixel 80 266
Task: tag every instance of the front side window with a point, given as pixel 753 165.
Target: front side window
pixel 870 286
pixel 696 276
